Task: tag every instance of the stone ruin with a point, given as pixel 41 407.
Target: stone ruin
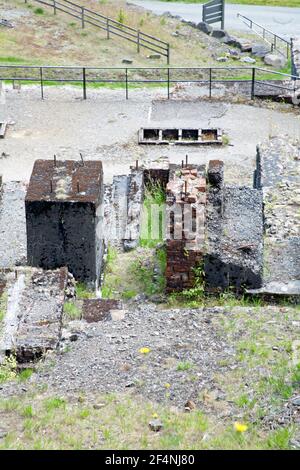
pixel 242 238
pixel 63 210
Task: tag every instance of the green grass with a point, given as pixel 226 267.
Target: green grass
pixel 38 11
pixel 278 3
pixel 83 292
pixel 72 311
pixel 153 215
pixel 184 366
pixel 25 374
pixel 52 423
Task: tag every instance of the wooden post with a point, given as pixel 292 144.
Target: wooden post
pixel 82 17
pixel 107 28
pixel 223 15
pixel 138 41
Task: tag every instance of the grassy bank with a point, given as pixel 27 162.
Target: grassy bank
pixel 277 3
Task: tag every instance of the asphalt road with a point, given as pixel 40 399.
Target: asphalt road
pixel 281 20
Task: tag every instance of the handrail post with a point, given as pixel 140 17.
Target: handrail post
pixel 168 83
pixel 253 84
pixel 210 81
pixel 54 7
pixel 107 28
pixel 168 54
pixel 82 17
pixel 42 84
pixel 138 41
pixel 84 82
pixel 126 82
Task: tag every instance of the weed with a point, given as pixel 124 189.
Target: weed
pixel 183 366
pixel 54 403
pixel 38 11
pixel 8 369
pixel 25 374
pixel 72 311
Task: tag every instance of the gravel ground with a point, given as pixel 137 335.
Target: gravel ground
pixel 105 127
pixel 106 358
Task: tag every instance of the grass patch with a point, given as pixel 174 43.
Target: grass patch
pixel 276 3
pixel 25 374
pixel 54 403
pixel 8 369
pixel 153 215
pixel 38 11
pixel 83 292
pixel 72 311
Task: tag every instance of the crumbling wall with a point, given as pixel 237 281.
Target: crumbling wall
pixel 278 176
pixel 33 321
pixel 185 215
pixel 234 234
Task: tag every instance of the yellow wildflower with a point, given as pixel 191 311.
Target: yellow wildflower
pixel 240 427
pixel 155 415
pixel 167 385
pixel 144 350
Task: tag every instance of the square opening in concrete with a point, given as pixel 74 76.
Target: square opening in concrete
pixel 190 134
pixel 2 129
pixel 151 134
pixel 209 135
pixel 170 134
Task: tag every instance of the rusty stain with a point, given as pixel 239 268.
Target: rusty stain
pixel 89 177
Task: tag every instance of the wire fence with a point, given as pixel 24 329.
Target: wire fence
pixel 258 81
pixel 110 26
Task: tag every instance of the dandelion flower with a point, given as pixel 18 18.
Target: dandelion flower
pixel 155 415
pixel 240 427
pixel 167 385
pixel 144 350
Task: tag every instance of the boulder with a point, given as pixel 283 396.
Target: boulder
pixel 154 56
pixel 222 59
pixel 219 33
pixel 260 50
pixel 248 60
pixel 127 61
pixel 204 27
pixel 275 60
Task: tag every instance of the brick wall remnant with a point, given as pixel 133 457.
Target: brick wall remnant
pixel 63 217
pixel 185 213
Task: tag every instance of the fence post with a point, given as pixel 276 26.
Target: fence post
pixel 253 84
pixel 107 28
pixel 168 54
pixel 138 40
pixel 168 83
pixel 82 17
pixel 126 81
pixel 42 84
pixel 54 7
pixel 210 81
pixel 84 82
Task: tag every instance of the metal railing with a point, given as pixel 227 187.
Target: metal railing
pixel 274 40
pixel 256 78
pixel 213 12
pixel 295 72
pixel 110 26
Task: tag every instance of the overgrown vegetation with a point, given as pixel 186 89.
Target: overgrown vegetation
pixel 153 215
